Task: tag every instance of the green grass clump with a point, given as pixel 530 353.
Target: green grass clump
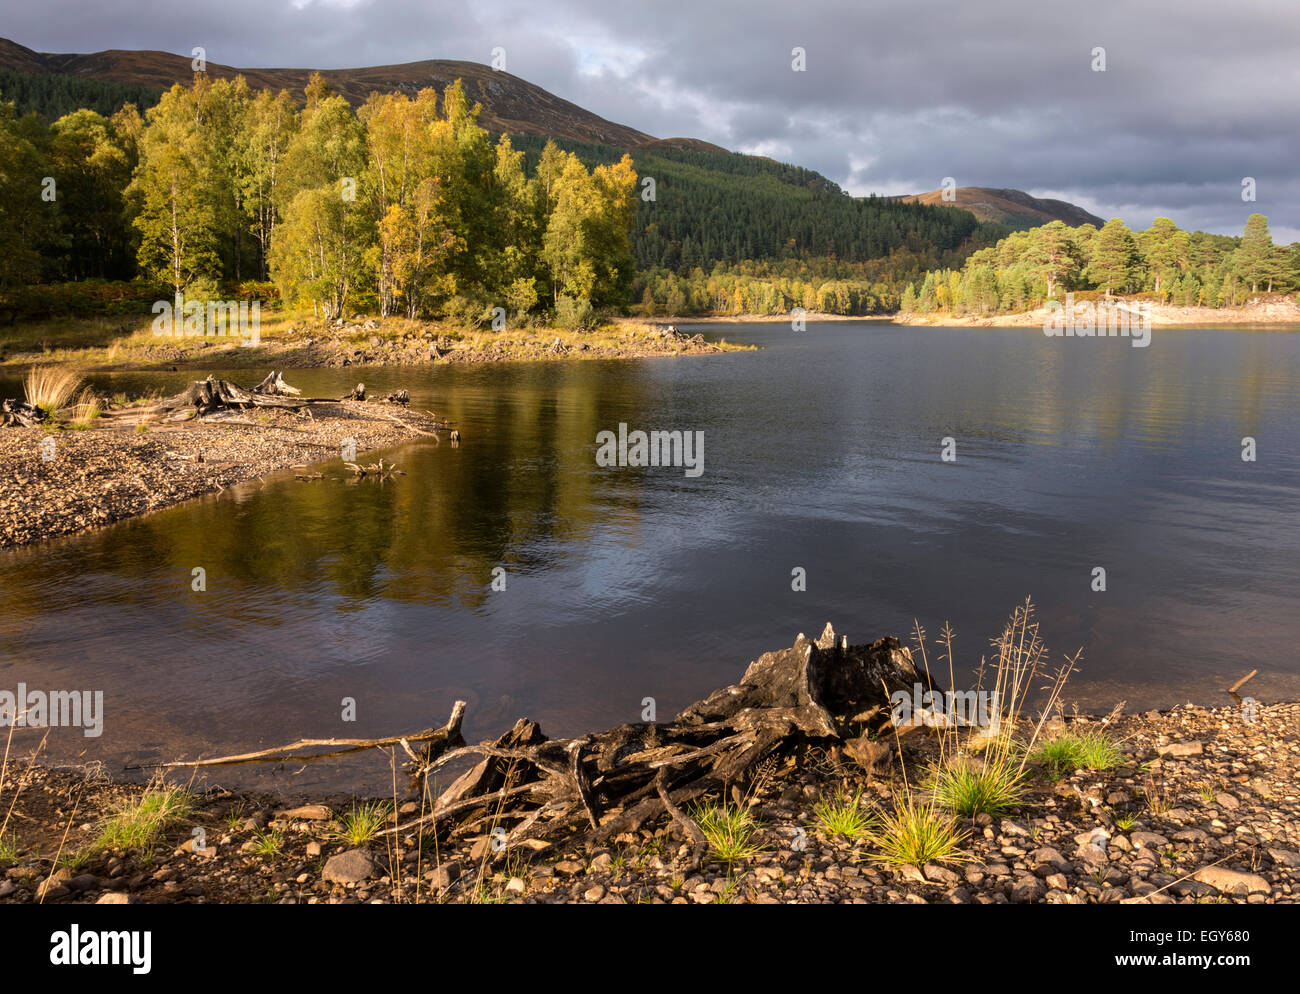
pixel 75 860
pixel 967 786
pixel 8 848
pixel 730 831
pixel 137 824
pixel 843 815
pixel 1090 749
pixel 268 843
pixel 362 823
pixel 917 832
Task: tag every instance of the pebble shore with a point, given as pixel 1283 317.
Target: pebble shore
pixel 1204 808
pixel 107 474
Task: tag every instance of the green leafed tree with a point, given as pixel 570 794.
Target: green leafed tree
pixel 176 195
pixel 1114 262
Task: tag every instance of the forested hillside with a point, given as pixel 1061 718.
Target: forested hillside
pixel 712 207
pixel 52 95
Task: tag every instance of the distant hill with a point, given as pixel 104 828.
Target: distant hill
pixel 509 103
pixel 1014 208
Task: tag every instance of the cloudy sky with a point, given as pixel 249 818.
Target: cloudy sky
pixel 897 94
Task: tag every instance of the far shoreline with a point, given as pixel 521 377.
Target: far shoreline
pixel 1264 314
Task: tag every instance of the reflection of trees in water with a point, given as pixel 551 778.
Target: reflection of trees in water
pixel 524 481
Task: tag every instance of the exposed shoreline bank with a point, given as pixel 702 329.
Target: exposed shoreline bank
pixel 86 479
pixel 286 342
pixel 1201 808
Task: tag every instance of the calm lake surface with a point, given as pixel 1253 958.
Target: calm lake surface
pixel 822 451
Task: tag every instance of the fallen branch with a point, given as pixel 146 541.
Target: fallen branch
pixel 447 734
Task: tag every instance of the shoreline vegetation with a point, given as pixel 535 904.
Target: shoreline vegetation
pixel 1191 805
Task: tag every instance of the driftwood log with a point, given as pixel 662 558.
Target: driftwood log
pixel 212 394
pixel 525 790
pixel 18 412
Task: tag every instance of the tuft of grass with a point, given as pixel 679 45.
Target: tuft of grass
pixel 1089 749
pixel 268 843
pixel 1124 822
pixel 966 786
pixel 8 848
pixel 730 831
pixel 75 860
pixel 138 823
pixel 843 814
pixel 363 822
pixel 87 410
pixel 917 832
pixel 1157 796
pixel 50 388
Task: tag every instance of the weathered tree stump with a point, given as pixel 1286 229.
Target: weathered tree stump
pixel 19 412
pixel 591 789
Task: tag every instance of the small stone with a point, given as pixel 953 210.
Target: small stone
pixel 313 848
pixel 50 889
pixel 115 897
pixel 1057 881
pixel 516 885
pixel 1027 890
pixel 442 877
pixel 940 874
pixel 1177 749
pixel 308 812
pixel 351 867
pixel 1047 856
pixel 84 882
pixel 595 893
pixel 913 873
pixel 568 867
pixel 1147 840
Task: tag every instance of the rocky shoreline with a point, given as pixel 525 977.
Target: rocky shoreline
pixel 106 474
pixel 1203 808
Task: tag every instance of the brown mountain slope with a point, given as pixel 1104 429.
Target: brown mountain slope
pixel 509 103
pixel 1014 208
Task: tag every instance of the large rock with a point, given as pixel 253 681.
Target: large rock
pixel 1227 881
pixel 351 867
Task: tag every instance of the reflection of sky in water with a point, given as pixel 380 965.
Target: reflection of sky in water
pixel 822 451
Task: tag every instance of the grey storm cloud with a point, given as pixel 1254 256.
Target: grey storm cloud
pixel 897 95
